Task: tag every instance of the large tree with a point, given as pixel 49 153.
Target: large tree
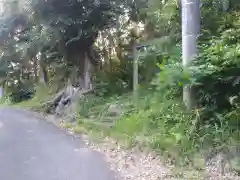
pixel 53 37
pixel 76 25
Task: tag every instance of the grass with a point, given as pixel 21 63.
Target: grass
pixel 160 123
pixel 36 103
pixel 136 126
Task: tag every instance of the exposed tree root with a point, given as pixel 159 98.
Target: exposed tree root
pixel 64 98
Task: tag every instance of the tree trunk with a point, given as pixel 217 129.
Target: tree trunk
pixel 190 32
pixel 110 67
pixel 35 69
pixel 43 74
pixel 87 72
pixel 106 59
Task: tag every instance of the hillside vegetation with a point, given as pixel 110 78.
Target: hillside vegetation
pixel 75 59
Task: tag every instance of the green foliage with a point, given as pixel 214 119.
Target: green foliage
pixel 216 72
pixel 117 81
pixel 20 92
pixel 161 122
pixel 55 35
pixel 72 21
pixel 37 102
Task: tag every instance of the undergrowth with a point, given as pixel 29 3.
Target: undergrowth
pixel 37 102
pixel 160 123
pixel 160 120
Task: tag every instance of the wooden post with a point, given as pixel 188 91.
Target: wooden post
pixel 135 75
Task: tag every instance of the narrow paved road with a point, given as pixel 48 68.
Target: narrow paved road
pixel 32 149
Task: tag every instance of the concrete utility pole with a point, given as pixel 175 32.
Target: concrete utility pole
pixel 190 32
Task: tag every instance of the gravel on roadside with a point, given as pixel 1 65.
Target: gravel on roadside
pixel 133 164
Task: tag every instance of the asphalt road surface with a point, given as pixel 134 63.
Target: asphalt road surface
pixel 32 149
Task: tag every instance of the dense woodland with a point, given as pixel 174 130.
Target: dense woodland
pixel 57 51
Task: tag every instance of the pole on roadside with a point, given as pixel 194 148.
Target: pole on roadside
pixel 135 75
pixel 190 33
